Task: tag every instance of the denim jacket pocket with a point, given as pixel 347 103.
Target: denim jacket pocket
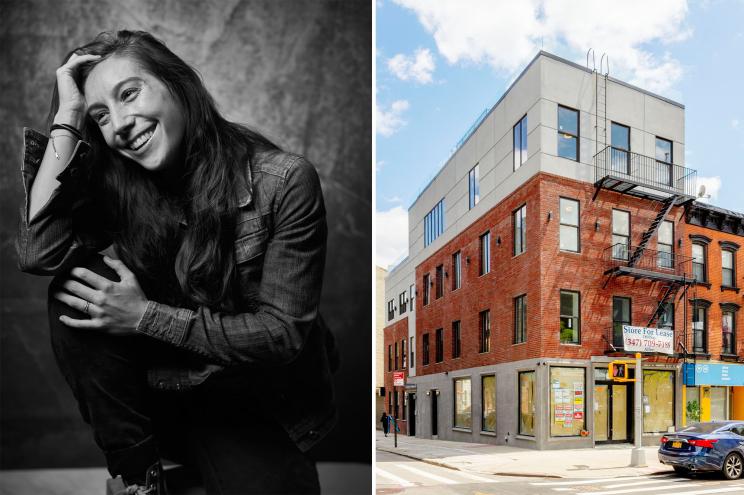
pixel 251 245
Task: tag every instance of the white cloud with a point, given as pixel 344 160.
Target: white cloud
pixel 506 34
pixel 712 188
pixel 418 67
pixel 389 121
pixel 391 244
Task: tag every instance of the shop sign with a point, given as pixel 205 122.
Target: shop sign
pixel 399 379
pixel 644 339
pixel 714 374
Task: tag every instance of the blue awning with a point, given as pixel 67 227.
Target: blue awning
pixel 731 375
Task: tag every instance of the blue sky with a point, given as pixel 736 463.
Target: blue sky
pixel 440 63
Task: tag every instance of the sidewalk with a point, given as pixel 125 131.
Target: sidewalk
pixel 599 462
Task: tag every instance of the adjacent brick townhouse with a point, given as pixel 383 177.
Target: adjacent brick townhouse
pixel 565 214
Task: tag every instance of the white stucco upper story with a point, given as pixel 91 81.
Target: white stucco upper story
pixel 545 84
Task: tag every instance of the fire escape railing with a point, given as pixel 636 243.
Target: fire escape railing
pixel 650 260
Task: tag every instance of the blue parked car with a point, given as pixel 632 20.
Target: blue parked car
pixel 710 446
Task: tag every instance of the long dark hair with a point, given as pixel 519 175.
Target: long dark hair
pixel 142 210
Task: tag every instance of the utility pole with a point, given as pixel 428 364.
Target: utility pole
pixel 395 420
pixel 638 456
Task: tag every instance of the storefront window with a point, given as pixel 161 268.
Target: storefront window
pixel 658 401
pixel 488 401
pixel 718 403
pixel 463 416
pixel 527 403
pixel 692 408
pixel 567 405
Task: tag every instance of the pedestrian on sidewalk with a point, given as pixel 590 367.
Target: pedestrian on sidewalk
pixel 385 422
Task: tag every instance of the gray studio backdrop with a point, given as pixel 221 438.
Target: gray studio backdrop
pixel 298 71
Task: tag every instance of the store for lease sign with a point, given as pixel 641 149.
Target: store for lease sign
pixel 644 339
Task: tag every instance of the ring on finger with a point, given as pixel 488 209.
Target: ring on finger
pixel 87 307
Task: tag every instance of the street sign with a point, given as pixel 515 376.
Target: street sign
pixel 644 339
pixel 399 379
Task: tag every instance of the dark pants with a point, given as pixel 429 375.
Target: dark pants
pixel 215 428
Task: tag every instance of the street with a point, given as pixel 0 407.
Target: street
pixel 399 474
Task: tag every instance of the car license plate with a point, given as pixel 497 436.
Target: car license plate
pixel 676 445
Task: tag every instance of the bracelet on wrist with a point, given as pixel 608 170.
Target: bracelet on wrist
pixel 72 130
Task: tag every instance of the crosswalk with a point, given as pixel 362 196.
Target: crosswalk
pixel 413 474
pixel 643 485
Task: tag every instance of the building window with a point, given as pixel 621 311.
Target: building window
pixel 427 288
pixel 520 230
pixel 403 354
pixel 620 234
pixel 485 253
pixel 700 326
pixel 664 161
pixel 698 263
pixel 568 133
pixel 391 310
pixel 473 187
pixel 488 403
pixel 439 277
pixel 658 401
pixel 456 347
pixel 439 345
pixel 402 302
pixel 411 294
pixel 425 350
pixel 666 317
pixel 520 143
pixel 728 276
pixel 396 355
pixel 620 156
pixel 569 233
pixel 665 245
pixel 570 318
pixel 463 414
pixel 520 319
pixel 485 331
pixel 434 223
pixel 567 401
pixel 620 317
pixel 456 270
pixel 390 358
pixel 728 329
pixel 527 403
pixel 412 347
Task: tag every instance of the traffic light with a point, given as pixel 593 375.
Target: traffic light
pixel 618 370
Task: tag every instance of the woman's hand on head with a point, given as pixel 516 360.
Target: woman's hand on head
pixel 71 100
pixel 114 307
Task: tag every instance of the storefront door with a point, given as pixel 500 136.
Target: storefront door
pixel 613 412
pixel 412 415
pixel 434 413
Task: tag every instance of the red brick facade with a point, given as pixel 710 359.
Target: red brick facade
pixel 397 333
pixel 543 270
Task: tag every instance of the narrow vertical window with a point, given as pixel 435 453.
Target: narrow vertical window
pixel 665 245
pixel 456 271
pixel 520 142
pixel 700 326
pixel 520 230
pixel 485 253
pixel 569 228
pixel 391 310
pixel 402 303
pixel 620 234
pixel 434 223
pixel 456 339
pixel 439 345
pixel 473 187
pixel 568 133
pixel 666 317
pixel 699 272
pixel 526 411
pixel 664 160
pixel 413 353
pixel 426 289
pixel 728 330
pixel 485 331
pixel 520 319
pixel 395 361
pixel 463 412
pixel 620 150
pixel 439 281
pixel 411 295
pixel 403 355
pixel 488 403
pixel 727 268
pixel 570 317
pixel 390 358
pixel 620 317
pixel 425 350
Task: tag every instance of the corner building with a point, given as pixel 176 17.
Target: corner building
pixel 562 216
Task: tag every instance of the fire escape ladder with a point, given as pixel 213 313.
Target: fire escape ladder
pixel 666 206
pixel 600 106
pixel 670 293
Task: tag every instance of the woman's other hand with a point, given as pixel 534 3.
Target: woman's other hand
pixel 114 307
pixel 71 101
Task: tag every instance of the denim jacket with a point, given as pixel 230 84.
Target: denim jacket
pixel 276 341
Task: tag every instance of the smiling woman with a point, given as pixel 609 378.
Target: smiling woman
pixel 220 239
